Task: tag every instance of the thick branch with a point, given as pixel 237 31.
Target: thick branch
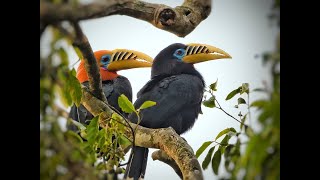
pixel 165 139
pixel 163 157
pixel 180 20
pixel 91 65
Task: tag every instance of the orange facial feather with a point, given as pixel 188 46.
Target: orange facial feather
pixel 104 74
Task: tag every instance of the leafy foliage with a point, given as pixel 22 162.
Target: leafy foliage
pixel 98 149
pixel 259 156
pixel 63 154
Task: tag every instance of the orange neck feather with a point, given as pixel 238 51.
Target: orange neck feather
pixel 104 74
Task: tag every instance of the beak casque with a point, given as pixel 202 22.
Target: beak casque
pixel 196 53
pixel 127 59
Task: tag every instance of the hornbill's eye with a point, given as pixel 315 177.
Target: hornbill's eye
pixel 179 53
pixel 105 59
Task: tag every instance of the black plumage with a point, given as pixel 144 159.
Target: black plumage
pixel 177 88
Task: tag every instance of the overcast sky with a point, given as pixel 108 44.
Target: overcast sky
pixel 239 27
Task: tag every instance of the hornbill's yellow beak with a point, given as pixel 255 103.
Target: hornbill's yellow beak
pixel 196 53
pixel 127 59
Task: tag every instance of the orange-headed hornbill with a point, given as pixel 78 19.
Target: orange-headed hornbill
pixel 113 85
pixel 177 88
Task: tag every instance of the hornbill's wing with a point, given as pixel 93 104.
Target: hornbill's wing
pixel 178 101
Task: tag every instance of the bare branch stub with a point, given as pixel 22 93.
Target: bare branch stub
pixel 163 157
pixel 180 20
pixel 183 19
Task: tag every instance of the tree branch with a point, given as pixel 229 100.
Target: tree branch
pixel 91 65
pixel 165 139
pixel 180 20
pixel 163 157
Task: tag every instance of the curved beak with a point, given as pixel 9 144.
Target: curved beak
pixel 196 53
pixel 127 59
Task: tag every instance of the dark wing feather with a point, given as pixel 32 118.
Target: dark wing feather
pixel 151 83
pixel 121 85
pixel 178 101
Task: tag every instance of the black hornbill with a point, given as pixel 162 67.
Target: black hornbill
pixel 177 88
pixel 113 85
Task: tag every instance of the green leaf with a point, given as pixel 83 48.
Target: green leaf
pixel 79 125
pixel 102 138
pixel 115 116
pixel 244 88
pixel 73 135
pixel 259 104
pixel 228 150
pixel 249 131
pixel 216 159
pixel 210 103
pixel 73 72
pixel 202 148
pixel 125 104
pixel 65 94
pixel 207 159
pixel 123 140
pixel 213 86
pixel 233 93
pixel 63 56
pixel 75 88
pixel 92 130
pixel 225 140
pixel 237 148
pixel 224 143
pixel 241 101
pixel 78 52
pixel 147 104
pixel 225 131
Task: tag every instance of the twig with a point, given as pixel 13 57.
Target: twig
pixel 229 114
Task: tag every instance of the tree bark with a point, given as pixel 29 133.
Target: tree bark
pixel 180 20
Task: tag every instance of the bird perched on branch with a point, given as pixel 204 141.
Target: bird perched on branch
pixel 113 84
pixel 177 88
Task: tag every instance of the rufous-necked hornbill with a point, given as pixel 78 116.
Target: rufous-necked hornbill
pixel 177 88
pixel 113 85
